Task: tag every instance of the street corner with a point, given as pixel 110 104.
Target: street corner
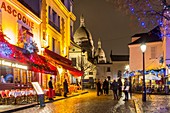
pixel 138 107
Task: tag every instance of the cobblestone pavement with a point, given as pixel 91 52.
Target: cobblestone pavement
pixel 86 103
pixel 154 103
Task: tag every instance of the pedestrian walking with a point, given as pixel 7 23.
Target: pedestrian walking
pixel 119 87
pixel 106 87
pixel 114 88
pixel 50 85
pixel 98 87
pixel 65 84
pixel 126 89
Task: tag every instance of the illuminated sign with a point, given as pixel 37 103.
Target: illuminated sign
pixel 21 17
pixel 16 65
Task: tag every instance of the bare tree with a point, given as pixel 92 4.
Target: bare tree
pixel 149 13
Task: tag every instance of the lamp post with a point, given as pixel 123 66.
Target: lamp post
pixel 143 49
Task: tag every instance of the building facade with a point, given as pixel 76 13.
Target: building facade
pixel 154 57
pixel 20 28
pixel 119 64
pixel 37 41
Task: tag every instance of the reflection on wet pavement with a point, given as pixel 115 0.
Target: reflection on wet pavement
pixel 86 103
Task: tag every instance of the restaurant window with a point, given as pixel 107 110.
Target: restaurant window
pixel 73 61
pixel 23 76
pixel 44 81
pixel 29 77
pixel 17 75
pixel 6 74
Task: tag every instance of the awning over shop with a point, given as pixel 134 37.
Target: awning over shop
pixel 64 62
pixel 39 63
pixel 58 57
pixel 75 72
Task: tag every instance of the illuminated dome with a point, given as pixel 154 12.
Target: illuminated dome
pixel 83 37
pixel 100 54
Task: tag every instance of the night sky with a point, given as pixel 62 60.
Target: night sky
pixel 114 27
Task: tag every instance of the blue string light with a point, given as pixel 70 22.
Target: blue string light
pixel 5 50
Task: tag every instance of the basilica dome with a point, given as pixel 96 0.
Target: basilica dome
pixel 82 34
pixel 83 38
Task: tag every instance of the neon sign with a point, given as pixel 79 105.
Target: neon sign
pixel 21 17
pixel 16 65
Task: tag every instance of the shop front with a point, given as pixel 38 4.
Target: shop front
pixel 18 69
pixel 155 81
pixel 65 71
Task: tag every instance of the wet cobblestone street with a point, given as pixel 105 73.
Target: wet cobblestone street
pixel 154 103
pixel 86 103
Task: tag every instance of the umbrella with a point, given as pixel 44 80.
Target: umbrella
pixel 151 77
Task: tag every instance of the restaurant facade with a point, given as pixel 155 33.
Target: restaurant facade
pixel 156 61
pixel 24 55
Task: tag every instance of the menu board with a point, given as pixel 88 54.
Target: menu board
pixel 37 88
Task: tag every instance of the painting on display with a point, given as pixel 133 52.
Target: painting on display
pixel 25 39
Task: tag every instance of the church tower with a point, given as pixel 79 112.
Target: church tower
pixel 100 54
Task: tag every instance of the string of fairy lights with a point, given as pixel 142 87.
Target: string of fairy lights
pixel 151 13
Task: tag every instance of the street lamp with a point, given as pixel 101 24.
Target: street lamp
pixel 143 49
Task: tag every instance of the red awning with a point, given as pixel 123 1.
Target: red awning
pixel 39 63
pixel 75 72
pixel 64 62
pixel 57 57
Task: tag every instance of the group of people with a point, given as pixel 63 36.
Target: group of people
pixel 50 85
pixel 116 86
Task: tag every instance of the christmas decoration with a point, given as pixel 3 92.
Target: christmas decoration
pixel 25 40
pixel 149 13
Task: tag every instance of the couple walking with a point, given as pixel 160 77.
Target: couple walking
pixel 51 91
pixel 101 87
pixel 117 88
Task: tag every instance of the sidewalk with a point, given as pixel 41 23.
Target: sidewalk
pixel 154 103
pixel 12 108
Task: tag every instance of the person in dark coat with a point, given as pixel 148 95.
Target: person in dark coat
pixel 50 85
pixel 106 87
pixel 120 87
pixel 98 87
pixel 65 84
pixel 114 88
pixel 126 84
